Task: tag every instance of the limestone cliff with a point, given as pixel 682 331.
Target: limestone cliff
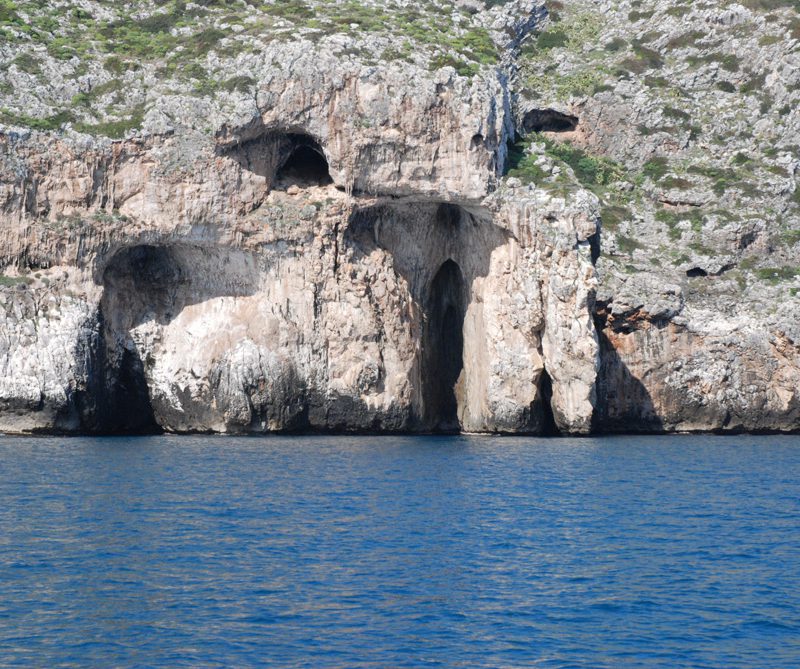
pixel 684 119
pixel 304 225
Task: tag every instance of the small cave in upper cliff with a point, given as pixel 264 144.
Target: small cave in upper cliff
pixel 283 158
pixel 548 120
pixel 443 348
pixel 305 164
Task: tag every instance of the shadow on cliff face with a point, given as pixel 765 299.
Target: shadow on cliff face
pixel 147 286
pixel 152 282
pixel 116 399
pixel 624 404
pixel 544 411
pixel 439 250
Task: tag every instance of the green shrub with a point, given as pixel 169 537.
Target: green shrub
pixel 527 171
pixel 675 183
pixel 754 84
pixel 679 114
pixel 790 237
pixel 654 81
pixel 115 65
pixel 727 61
pixel 591 171
pixel 14 281
pixel 686 40
pixel 241 83
pixel 28 63
pixel 8 13
pixel 628 245
pixel 49 123
pixel 461 66
pixel 645 59
pixel 611 216
pixel 115 129
pixel 551 39
pixel 671 218
pixel 616 44
pixel 649 58
pixel 771 5
pixel 291 9
pixel 775 275
pixel 656 168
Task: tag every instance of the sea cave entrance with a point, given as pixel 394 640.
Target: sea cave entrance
pixel 443 348
pixel 139 283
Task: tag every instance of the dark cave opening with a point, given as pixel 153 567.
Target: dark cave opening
pixel 548 426
pixel 139 283
pixel 549 120
pixel 131 384
pixel 695 272
pixel 130 410
pixel 306 165
pixel 449 216
pixel 443 348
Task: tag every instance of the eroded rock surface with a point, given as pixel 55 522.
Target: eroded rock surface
pixel 331 244
pixel 297 269
pixel 306 309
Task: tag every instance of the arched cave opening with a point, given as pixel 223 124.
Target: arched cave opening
pixel 695 272
pixel 305 164
pixel 548 120
pixel 443 348
pixel 140 283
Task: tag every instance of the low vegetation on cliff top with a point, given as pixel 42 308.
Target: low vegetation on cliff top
pixel 689 133
pixel 689 109
pixel 80 62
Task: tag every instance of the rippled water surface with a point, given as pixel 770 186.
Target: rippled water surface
pixel 400 552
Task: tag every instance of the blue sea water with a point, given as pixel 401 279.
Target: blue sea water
pixel 400 552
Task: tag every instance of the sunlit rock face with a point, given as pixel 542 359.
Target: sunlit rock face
pixel 298 270
pixel 319 311
pixel 339 248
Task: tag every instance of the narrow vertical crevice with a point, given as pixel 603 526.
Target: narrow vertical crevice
pixel 548 424
pixel 443 348
pixel 131 411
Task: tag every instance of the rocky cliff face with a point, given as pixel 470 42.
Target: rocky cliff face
pixel 328 242
pixel 683 119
